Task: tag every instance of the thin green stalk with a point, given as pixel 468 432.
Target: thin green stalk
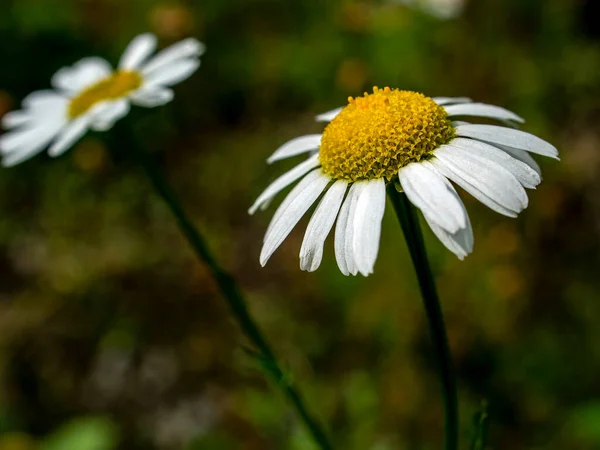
pixel 414 238
pixel 232 294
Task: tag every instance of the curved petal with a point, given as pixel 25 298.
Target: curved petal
pixel 367 225
pixel 14 119
pixel 152 97
pixel 487 181
pixel 344 232
pixel 188 48
pixel 477 149
pixel 172 73
pixel 456 123
pixel 45 103
pixel 81 75
pixel 138 51
pixel 428 191
pixel 329 115
pixel 296 146
pixel 69 135
pixel 521 155
pixel 284 181
pixel 320 225
pixel 18 146
pixel 106 116
pixel 482 110
pixel 460 243
pixel 298 201
pixel 509 137
pixel 47 115
pixel 450 100
pixel 15 140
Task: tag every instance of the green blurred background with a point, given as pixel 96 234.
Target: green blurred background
pixel 112 335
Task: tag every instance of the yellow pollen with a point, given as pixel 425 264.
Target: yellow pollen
pixel 375 135
pixel 114 87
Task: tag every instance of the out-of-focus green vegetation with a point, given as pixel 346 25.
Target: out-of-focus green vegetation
pixel 113 336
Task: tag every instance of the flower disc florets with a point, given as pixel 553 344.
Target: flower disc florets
pixel 118 85
pixel 375 135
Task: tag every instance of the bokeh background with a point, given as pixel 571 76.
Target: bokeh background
pixel 113 336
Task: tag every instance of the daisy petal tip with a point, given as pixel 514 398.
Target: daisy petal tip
pixel 329 115
pixel 308 264
pixel 145 39
pixel 343 271
pixel 192 47
pixel 259 204
pixel 263 259
pixel 200 47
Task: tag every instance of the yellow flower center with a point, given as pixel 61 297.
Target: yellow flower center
pixel 118 85
pixel 375 135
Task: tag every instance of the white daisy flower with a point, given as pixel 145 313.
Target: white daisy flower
pixel 409 139
pixel 442 9
pixel 91 95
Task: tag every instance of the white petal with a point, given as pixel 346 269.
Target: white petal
pixel 367 225
pixel 296 146
pixel 521 155
pixel 482 110
pixel 456 123
pixel 69 135
pixel 344 232
pixel 172 73
pixel 24 137
pixel 298 201
pixel 15 119
pixel 284 181
pixel 107 115
pixel 26 152
pixel 42 103
pixel 81 75
pixel 509 137
pixel 525 174
pixel 320 225
pixel 429 192
pixel 280 209
pixel 35 141
pixel 38 128
pixel 459 243
pixel 188 48
pixel 485 180
pixel 451 100
pixel 329 115
pixel 138 51
pixel 152 97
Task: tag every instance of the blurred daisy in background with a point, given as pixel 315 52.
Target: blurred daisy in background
pixel 91 95
pixel 442 9
pixel 402 137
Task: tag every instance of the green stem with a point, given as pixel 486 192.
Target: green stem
pixel 232 294
pixel 414 238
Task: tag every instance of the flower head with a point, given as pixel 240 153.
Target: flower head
pixel 91 95
pixel 393 136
